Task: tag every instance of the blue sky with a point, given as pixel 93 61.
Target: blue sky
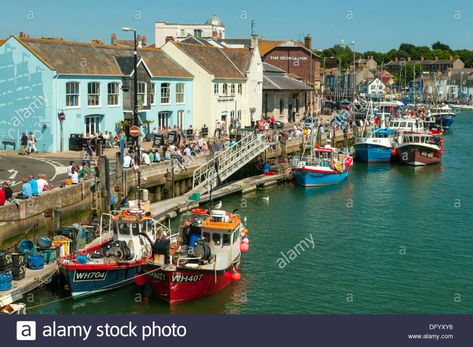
pixel 373 25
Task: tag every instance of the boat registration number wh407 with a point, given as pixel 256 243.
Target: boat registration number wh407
pixel 81 276
pixel 186 278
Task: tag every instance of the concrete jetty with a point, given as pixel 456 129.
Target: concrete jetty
pixel 33 279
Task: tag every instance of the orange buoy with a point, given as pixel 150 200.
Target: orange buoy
pixel 236 276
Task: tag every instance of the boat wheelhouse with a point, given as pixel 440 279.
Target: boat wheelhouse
pixel 407 124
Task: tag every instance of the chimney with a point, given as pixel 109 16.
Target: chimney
pixel 308 41
pixel 22 34
pixel 169 38
pixel 97 42
pixel 254 41
pixel 113 39
pixel 143 40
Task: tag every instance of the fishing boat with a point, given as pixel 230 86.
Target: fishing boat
pixel 200 260
pixel 462 107
pixel 420 149
pixel 443 115
pixel 375 148
pixel 115 257
pixel 324 166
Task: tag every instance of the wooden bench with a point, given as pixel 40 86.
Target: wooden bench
pixel 9 143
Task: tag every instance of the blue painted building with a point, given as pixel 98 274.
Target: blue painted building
pixel 90 84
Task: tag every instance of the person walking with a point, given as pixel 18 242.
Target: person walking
pixel 32 143
pixel 24 144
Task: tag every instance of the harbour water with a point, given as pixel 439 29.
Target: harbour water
pixel 390 239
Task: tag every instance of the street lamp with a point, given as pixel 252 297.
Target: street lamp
pixel 354 64
pixel 135 109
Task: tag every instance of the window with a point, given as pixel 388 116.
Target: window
pixel 240 89
pixel 226 239
pixel 163 120
pixel 206 236
pixel 180 119
pixel 92 125
pixel 225 88
pixel 198 33
pixel 239 114
pixel 232 89
pixel 124 228
pixel 93 94
pixel 232 115
pixel 165 93
pixel 216 88
pixel 152 93
pixel 72 94
pixel 216 239
pixel 142 97
pixel 180 93
pixel 113 92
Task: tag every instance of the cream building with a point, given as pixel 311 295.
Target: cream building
pixel 213 28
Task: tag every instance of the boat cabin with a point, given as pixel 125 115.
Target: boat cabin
pixel 417 138
pixel 407 124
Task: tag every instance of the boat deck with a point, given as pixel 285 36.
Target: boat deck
pixel 33 279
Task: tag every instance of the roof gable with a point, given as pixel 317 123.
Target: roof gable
pixel 211 59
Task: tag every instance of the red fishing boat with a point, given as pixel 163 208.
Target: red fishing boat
pixel 200 260
pixel 420 149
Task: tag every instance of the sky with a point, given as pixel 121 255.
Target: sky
pixel 372 25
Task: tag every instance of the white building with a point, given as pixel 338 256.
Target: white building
pixel 372 88
pixel 227 83
pixel 213 28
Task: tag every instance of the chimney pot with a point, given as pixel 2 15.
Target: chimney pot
pixel 308 41
pixel 113 38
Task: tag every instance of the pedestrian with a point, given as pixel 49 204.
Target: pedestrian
pixel 43 184
pixel 3 197
pixel 26 191
pixel 128 161
pixel 34 186
pixel 32 143
pixel 74 176
pixel 8 191
pixel 24 144
pixel 69 168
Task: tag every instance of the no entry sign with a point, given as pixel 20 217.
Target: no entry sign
pixel 134 131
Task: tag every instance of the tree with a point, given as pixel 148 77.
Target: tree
pixel 441 46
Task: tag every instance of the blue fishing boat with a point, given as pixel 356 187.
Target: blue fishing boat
pixel 444 116
pixel 324 166
pixel 375 148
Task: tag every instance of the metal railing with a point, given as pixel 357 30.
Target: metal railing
pixel 230 160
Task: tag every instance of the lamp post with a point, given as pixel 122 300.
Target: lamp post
pixel 135 111
pixel 354 63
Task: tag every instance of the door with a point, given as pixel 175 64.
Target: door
pixel 163 120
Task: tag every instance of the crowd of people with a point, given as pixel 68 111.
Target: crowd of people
pixel 31 187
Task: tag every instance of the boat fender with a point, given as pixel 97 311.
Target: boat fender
pixel 199 211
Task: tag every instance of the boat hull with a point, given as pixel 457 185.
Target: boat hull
pixel 418 155
pixel 447 121
pixel 183 285
pixel 309 178
pixel 85 280
pixel 370 153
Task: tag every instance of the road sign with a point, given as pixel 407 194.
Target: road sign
pixel 134 131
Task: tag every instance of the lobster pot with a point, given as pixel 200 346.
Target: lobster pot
pixel 19 272
pixel 5 282
pixel 5 259
pixel 19 259
pixel 36 262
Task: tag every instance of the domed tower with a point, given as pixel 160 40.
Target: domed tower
pixel 218 27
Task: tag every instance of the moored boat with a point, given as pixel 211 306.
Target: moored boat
pixel 113 260
pixel 202 259
pixel 419 149
pixel 324 166
pixel 375 148
pixel 443 115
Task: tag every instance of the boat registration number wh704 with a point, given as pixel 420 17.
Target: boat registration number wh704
pixel 81 276
pixel 427 154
